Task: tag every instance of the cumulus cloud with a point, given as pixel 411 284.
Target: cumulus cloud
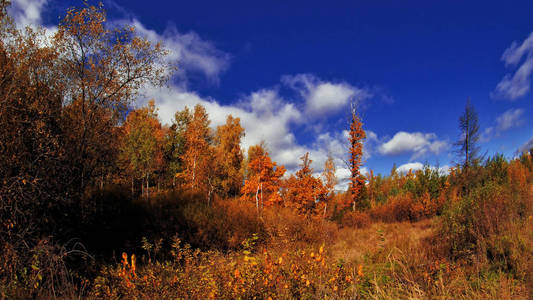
pixel 27 12
pixel 417 143
pixel 517 84
pixel 192 53
pixel 511 118
pixel 322 97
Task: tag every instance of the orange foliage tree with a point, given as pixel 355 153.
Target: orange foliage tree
pixel 356 138
pixel 198 155
pixel 304 190
pixel 263 182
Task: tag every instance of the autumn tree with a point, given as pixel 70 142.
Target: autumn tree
pixel 141 145
pixel 264 180
pixel 37 197
pixel 304 190
pixel 102 69
pixel 254 152
pixel 330 181
pixel 356 138
pixel 175 143
pixel 198 156
pixel 36 175
pixel 229 157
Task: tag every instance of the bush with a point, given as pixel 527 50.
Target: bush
pixel 490 228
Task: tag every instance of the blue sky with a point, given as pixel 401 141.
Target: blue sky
pixel 290 68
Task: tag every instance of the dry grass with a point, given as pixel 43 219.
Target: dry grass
pixel 354 244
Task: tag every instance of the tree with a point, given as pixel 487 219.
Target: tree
pixel 356 138
pixel 229 157
pixel 175 143
pixel 264 181
pixel 198 156
pixel 304 191
pixel 141 146
pixel 35 184
pixel 467 143
pixel 254 152
pixel 102 70
pixel 330 180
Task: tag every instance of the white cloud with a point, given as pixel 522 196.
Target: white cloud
pixel 414 166
pixel 511 118
pixel 27 12
pixel 516 85
pixel 322 97
pixel 189 50
pixel 417 143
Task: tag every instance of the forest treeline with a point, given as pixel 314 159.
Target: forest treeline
pixel 98 199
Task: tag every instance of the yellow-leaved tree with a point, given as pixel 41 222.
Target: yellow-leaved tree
pixel 229 157
pixel 264 179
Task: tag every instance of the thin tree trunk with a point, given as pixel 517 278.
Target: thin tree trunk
pixel 147 186
pixel 325 208
pixel 261 196
pixel 132 189
pixel 257 199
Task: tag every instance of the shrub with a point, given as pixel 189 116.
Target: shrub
pixel 490 228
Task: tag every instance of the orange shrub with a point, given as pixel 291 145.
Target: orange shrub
pixel 398 208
